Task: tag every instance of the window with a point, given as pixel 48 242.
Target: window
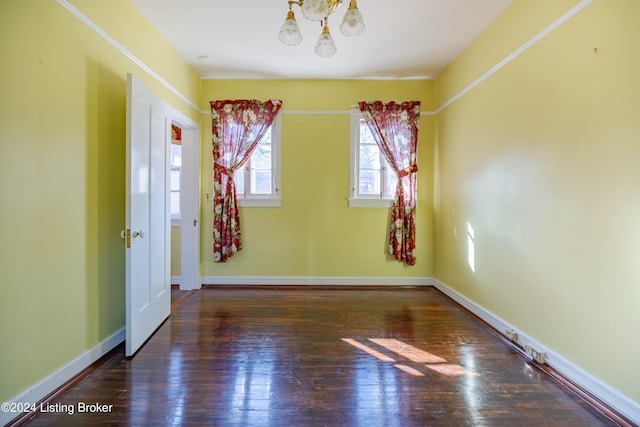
pixel 373 181
pixel 176 170
pixel 471 248
pixel 258 180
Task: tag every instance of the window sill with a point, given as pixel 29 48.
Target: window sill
pixel 176 222
pixel 370 203
pixel 259 203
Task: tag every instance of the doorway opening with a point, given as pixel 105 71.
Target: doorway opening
pixel 184 184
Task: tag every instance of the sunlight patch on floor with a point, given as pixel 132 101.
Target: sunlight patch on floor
pixel 414 354
pixel 369 350
pixel 410 352
pixel 450 370
pixel 409 370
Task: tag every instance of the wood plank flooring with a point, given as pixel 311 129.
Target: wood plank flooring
pixel 321 357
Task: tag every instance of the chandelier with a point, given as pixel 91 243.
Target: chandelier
pixel 319 10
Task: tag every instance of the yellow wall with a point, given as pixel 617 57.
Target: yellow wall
pixel 542 160
pixel 176 234
pixel 62 157
pixel 315 233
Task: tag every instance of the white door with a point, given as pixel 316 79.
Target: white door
pixel 147 234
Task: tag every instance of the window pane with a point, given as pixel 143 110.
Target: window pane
pixel 392 182
pixel 261 182
pixel 176 155
pixel 175 203
pixel 266 139
pixel 175 180
pixel 261 158
pixel 369 182
pixel 369 157
pixel 176 164
pixel 238 178
pixel 366 137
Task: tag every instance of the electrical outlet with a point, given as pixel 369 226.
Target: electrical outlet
pixel 512 335
pixel 536 355
pixel 540 357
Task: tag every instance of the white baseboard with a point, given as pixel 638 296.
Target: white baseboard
pixel 310 281
pixel 577 375
pixel 177 280
pixel 49 384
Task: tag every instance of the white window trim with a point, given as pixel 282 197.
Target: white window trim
pixel 360 200
pixel 370 203
pixel 272 200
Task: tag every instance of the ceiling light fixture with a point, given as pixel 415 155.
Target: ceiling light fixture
pixel 319 10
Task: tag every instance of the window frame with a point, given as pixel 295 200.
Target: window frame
pixel 356 199
pixel 274 199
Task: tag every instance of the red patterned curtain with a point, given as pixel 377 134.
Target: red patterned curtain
pixel 395 130
pixel 237 128
pixel 176 135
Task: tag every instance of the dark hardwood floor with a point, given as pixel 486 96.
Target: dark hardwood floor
pixel 320 357
pixel 178 296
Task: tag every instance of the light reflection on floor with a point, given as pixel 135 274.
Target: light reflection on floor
pixel 414 354
pixel 378 393
pixel 450 370
pixel 174 375
pixel 410 352
pixel 369 350
pixel 409 370
pixel 251 395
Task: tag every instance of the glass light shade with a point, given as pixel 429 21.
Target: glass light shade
pixel 325 46
pixel 290 32
pixel 352 23
pixel 315 10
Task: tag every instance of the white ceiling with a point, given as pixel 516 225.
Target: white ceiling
pixel 403 38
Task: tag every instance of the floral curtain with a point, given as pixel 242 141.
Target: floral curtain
pixel 237 128
pixel 395 130
pixel 176 135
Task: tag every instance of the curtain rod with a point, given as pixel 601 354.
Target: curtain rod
pixel 337 112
